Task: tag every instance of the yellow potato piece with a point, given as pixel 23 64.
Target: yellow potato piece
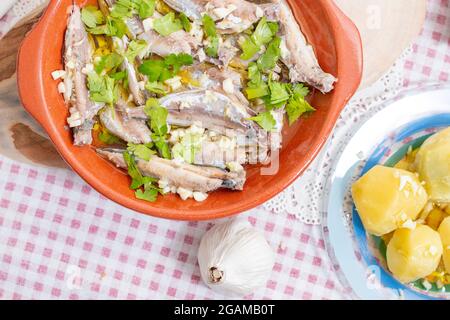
pixel 414 254
pixel 444 231
pixel 433 164
pixel 386 198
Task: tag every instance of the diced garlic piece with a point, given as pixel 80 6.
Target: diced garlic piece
pixel 70 64
pixel 185 193
pixel 58 74
pixel 174 83
pixel 221 13
pixel 88 68
pixel 200 196
pixel 61 87
pixel 409 224
pixel 148 24
pixel 228 86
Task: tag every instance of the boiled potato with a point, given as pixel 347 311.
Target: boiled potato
pixel 386 198
pixel 444 231
pixel 414 254
pixel 433 165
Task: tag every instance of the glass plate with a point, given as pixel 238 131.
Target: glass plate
pixel 384 139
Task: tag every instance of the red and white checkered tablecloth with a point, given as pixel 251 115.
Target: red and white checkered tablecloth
pixel 59 239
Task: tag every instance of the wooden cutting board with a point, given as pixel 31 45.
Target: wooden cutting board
pixel 387 27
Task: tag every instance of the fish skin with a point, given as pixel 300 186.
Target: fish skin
pixel 78 53
pixel 191 177
pixel 130 130
pixel 299 57
pixel 176 43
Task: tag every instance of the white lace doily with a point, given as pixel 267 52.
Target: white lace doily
pixel 303 198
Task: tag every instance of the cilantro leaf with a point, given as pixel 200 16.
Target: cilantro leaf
pixel 176 61
pixel 259 91
pixel 300 89
pixel 167 24
pixel 269 59
pixel 101 88
pixel 209 26
pixel 212 49
pixel 263 34
pixel 162 146
pixel 296 107
pixel 185 22
pixel 265 120
pixel 91 16
pixel 147 195
pixel 156 87
pixel 279 93
pixel 135 48
pixel 146 8
pixel 158 116
pixel 133 171
pixel 152 69
pixel 141 151
pixel 108 62
pixel 249 49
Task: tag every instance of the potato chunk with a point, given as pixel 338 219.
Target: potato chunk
pixel 433 164
pixel 414 254
pixel 444 231
pixel 386 198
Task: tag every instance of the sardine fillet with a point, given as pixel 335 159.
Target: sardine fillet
pixel 299 56
pixel 201 179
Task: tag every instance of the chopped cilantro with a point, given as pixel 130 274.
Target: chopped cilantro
pixel 141 151
pixel 268 60
pixel 156 87
pixel 265 120
pixel 167 24
pixel 146 8
pixel 91 16
pixel 161 70
pixel 185 22
pixel 212 49
pixel 101 88
pixel 209 27
pixel 106 137
pixel 108 62
pixel 149 195
pixel 158 124
pixel 135 48
pixel 263 34
pixel 297 104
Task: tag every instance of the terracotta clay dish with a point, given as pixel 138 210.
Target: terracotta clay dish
pixel 338 47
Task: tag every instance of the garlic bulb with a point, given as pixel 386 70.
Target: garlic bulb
pixel 234 258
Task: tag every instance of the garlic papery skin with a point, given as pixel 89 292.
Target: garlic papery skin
pixel 234 258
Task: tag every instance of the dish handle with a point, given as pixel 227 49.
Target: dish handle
pixel 349 44
pixel 29 74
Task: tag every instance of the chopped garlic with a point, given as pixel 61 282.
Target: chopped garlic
pixel 174 83
pixel 409 224
pixel 163 183
pixel 58 74
pixel 228 86
pixel 221 13
pixel 70 64
pixel 234 19
pixel 148 24
pixel 88 68
pixel 185 193
pixel 201 55
pixel 427 285
pixel 200 196
pixel 61 87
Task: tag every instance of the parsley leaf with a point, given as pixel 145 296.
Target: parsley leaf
pixel 158 124
pixel 149 195
pixel 185 22
pixel 209 27
pixel 91 16
pixel 167 24
pixel 133 171
pixel 101 89
pixel 279 93
pixel 256 87
pixel 135 48
pixel 146 9
pixel 297 105
pixel 156 87
pixel 108 62
pixel 300 89
pixel 161 70
pixel 269 59
pixel 141 151
pixel 263 34
pixel 265 120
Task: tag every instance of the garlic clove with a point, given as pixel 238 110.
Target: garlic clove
pixel 235 258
